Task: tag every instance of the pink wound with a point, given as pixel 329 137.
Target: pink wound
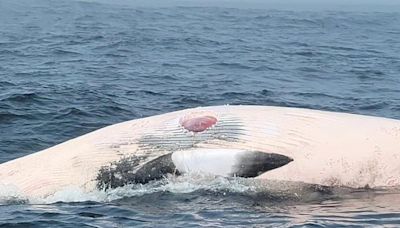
pixel 199 123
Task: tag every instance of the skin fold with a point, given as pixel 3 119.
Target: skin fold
pixel 316 147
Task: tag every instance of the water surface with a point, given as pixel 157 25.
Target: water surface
pixel 70 67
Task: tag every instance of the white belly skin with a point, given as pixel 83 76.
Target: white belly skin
pixel 327 148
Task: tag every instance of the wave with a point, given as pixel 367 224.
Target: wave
pixel 6 116
pixel 65 52
pixel 11 195
pixel 265 190
pixel 23 97
pixel 4 83
pixel 232 65
pixel 67 112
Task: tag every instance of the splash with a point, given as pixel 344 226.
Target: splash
pixel 190 183
pixel 10 194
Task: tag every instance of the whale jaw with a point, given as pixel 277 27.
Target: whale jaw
pixel 218 162
pixel 254 163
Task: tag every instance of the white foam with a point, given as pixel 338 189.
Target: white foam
pixel 183 184
pixel 10 194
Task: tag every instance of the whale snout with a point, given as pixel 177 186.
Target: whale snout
pixel 255 163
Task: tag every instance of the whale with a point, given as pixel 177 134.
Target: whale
pixel 244 141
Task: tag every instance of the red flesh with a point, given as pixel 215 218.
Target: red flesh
pixel 199 124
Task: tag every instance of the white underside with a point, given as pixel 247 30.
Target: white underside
pixel 327 148
pixel 220 162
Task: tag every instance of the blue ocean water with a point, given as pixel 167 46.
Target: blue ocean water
pixel 70 67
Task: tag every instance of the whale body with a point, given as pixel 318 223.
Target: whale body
pixel 264 142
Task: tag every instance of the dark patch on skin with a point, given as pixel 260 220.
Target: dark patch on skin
pixel 123 172
pixel 255 163
pixel 156 169
pixel 119 173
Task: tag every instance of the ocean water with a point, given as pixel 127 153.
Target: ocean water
pixel 70 67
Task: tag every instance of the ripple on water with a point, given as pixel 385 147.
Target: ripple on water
pixel 208 200
pixel 70 67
